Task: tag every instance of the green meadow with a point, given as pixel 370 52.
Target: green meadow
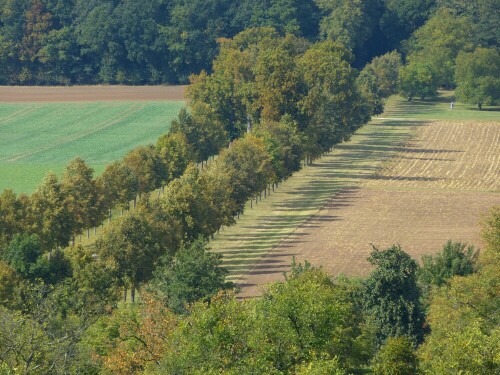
pixel 39 137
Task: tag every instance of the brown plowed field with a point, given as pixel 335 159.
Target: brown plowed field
pixel 436 187
pixel 23 94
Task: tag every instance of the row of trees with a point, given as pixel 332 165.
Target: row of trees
pixel 160 41
pixel 270 126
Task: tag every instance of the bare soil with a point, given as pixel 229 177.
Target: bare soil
pixel 23 94
pixel 437 187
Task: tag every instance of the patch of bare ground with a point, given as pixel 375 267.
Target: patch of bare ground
pixel 436 187
pixel 29 94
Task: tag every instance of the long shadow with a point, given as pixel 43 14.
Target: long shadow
pixel 335 187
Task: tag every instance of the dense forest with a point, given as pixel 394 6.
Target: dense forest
pixel 165 41
pixel 273 85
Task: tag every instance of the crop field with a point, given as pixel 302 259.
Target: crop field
pixel 38 136
pixel 415 177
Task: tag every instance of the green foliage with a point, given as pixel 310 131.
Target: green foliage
pixel 9 281
pixel 190 202
pixel 439 42
pixel 418 79
pixel 348 22
pixel 391 295
pixel 396 357
pixel 132 245
pixel 249 168
pixel 25 255
pixel 12 216
pixel 478 77
pixel 464 316
pixel 454 259
pixel 203 130
pixel 330 82
pixel 146 167
pixel 193 274
pixel 370 92
pixel 306 325
pixel 117 186
pixel 50 214
pixel 385 68
pixel 284 144
pixel 175 153
pixel 81 194
pixel 491 230
pixel 321 367
pixel 402 17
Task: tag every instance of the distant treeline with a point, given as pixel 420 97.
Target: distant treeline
pixel 165 41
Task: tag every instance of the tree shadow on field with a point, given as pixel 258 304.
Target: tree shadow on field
pixel 264 243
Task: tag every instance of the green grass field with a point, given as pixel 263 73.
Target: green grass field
pixel 39 137
pixel 439 109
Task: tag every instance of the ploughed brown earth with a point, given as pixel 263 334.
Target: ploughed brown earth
pixel 21 94
pixel 437 187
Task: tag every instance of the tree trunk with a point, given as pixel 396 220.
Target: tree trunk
pixel 132 294
pixel 480 106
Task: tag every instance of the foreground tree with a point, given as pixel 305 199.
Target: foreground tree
pixel 464 316
pixel 391 295
pixel 396 357
pixel 478 77
pixel 455 259
pixel 193 274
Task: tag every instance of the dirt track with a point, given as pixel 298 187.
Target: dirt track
pixel 436 188
pixel 22 94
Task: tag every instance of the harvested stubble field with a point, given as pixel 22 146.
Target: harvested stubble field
pixel 412 182
pixel 41 129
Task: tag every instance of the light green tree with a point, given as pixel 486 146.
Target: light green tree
pixel 396 357
pixel 418 78
pixel 478 77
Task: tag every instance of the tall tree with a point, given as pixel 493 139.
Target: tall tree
pixel 133 246
pixel 193 274
pixel 203 129
pixel 50 214
pixel 81 193
pixel 333 106
pixel 391 295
